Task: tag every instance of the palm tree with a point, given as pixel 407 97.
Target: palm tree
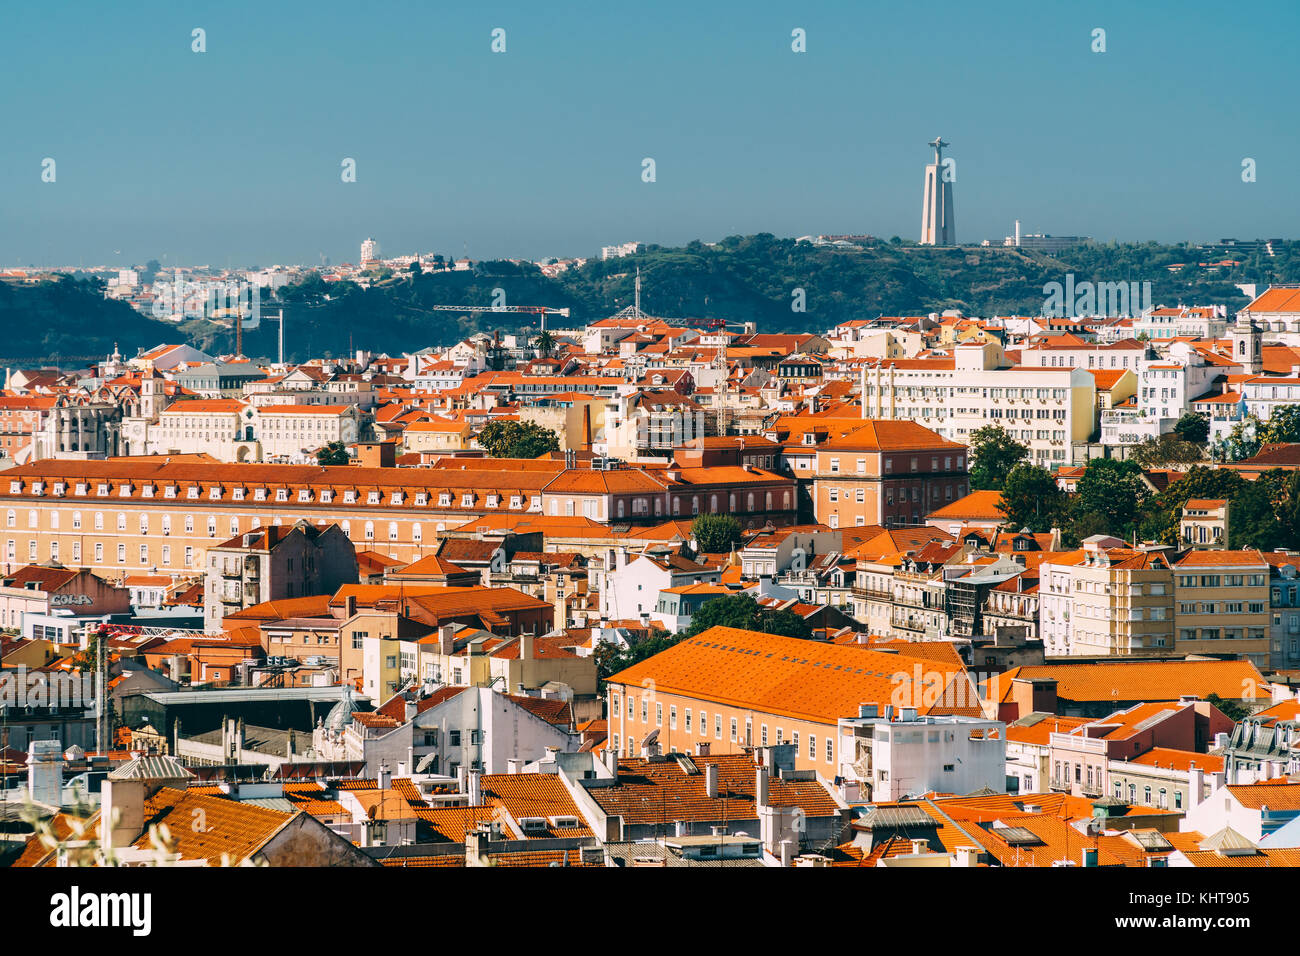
pixel 544 343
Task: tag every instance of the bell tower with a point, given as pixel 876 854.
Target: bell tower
pixel 1247 344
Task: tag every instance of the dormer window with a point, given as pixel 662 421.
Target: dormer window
pixel 492 501
pixel 396 498
pixel 82 487
pixel 146 491
pixel 444 500
pixel 304 494
pixel 192 492
pixel 421 499
pixel 467 500
pixel 326 496
pixel 237 494
pixel 60 489
pixel 169 491
pixel 214 493
pixel 259 494
pixel 282 494
pixel 38 487
pixel 124 490
pixel 103 488
pixel 372 498
pixel 349 497
pixel 15 487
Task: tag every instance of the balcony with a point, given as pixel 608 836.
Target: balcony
pixel 871 594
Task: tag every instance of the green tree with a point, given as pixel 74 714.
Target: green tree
pixel 1193 427
pixel 742 611
pixel 88 659
pixel 545 344
pixel 714 533
pixel 1282 488
pixel 335 453
pixel 504 439
pixel 610 659
pixel 1245 438
pixel 1032 499
pixel 1112 491
pixel 1230 709
pixel 993 454
pixel 1282 427
pixel 1252 523
pixel 1167 450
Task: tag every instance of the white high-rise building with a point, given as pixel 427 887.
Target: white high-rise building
pixel 369 251
pixel 938 223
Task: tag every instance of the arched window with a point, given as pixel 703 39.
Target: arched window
pixel 768 501
pixel 370 531
pixel 347 527
pixel 785 500
pixel 12 518
pixel 749 501
pixel 713 504
pixel 417 534
pixel 392 531
pixel 621 507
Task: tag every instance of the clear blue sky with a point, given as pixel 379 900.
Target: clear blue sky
pixel 234 155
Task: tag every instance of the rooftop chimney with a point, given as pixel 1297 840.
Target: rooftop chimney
pixel 121 811
pixel 45 772
pixel 711 781
pixel 385 778
pixel 475 788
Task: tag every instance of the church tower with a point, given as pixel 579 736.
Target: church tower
pixel 1247 344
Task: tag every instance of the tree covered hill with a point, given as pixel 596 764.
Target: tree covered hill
pixel 741 278
pixel 70 322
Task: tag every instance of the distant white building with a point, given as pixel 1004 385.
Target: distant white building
pixel 619 251
pixel 369 251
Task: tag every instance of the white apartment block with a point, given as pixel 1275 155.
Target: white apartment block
pixel 885 759
pixel 294 432
pixel 1106 600
pixel 1201 322
pixel 1071 352
pixel 215 426
pixel 619 251
pixel 1264 394
pixel 1044 408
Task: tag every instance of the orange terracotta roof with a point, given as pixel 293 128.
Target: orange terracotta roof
pixel 787 676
